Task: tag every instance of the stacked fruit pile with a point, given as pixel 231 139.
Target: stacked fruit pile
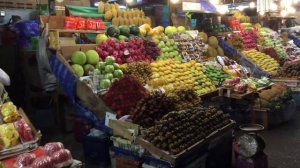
pixel 214 74
pixel 110 71
pixel 290 70
pixel 124 95
pixel 249 39
pixel 124 52
pixel 190 48
pixel 168 49
pixel 265 62
pixel 141 70
pixel 151 108
pixel 276 97
pixel 83 63
pixel 122 17
pixel 171 74
pixel 151 49
pixel 185 99
pixel 178 130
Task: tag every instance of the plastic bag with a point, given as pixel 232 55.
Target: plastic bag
pixel 24 160
pixel 24 130
pixel 28 28
pixel 50 148
pixel 42 162
pixel 62 158
pixel 70 23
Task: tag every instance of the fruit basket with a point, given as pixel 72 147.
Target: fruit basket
pixel 173 159
pixel 23 145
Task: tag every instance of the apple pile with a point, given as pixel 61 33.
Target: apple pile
pixel 109 70
pixel 123 52
pixel 124 94
pixel 84 62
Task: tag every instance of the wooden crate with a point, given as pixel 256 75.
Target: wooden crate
pixel 173 159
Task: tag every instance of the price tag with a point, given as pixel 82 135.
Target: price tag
pixel 109 116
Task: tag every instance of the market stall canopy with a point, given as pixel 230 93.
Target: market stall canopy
pixel 198 6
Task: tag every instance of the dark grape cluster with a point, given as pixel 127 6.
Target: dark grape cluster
pixel 151 49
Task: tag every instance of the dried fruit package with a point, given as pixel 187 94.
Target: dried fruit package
pixel 42 162
pixel 100 24
pixel 24 130
pixel 24 160
pixel 70 23
pixel 52 147
pixel 81 25
pixel 91 24
pixel 62 158
pixel 9 112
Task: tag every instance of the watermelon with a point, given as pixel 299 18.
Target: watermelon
pixel 113 31
pixel 124 30
pixel 135 30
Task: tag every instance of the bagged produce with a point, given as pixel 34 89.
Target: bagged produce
pixel 9 112
pixel 61 158
pixel 24 130
pixel 9 136
pixel 52 147
pixel 24 160
pixel 42 162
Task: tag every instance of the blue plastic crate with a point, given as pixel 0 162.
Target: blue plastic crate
pixel 96 150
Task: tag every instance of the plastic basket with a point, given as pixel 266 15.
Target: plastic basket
pixel 67 81
pixel 96 150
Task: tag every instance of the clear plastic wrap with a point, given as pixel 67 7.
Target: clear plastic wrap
pixel 24 160
pixel 62 158
pixel 50 148
pixel 42 162
pixel 24 130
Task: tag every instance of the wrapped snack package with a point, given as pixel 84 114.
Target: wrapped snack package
pixel 9 136
pixel 9 112
pixel 24 160
pixel 62 158
pixel 52 147
pixel 42 162
pixel 24 130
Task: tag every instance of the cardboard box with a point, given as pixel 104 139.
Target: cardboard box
pixel 124 129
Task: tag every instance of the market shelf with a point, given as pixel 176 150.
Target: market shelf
pixel 78 31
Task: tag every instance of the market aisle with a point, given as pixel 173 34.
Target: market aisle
pixel 283 144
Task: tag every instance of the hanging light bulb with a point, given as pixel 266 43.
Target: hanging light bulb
pixel 283 13
pixel 222 9
pixel 282 3
pixel 291 10
pixel 273 7
pixel 262 13
pixel 252 5
pixel 174 1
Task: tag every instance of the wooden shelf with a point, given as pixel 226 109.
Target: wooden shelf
pixel 78 31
